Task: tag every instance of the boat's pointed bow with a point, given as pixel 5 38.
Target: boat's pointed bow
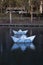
pixel 32 38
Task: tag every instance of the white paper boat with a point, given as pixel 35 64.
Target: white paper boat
pixel 23 38
pixel 20 32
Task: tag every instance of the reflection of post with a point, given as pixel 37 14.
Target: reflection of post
pixel 40 38
pixel 31 32
pixel 1 49
pixel 10 21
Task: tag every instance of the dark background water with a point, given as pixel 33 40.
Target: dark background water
pixel 17 57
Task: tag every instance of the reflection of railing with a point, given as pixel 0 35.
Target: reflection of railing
pixel 22 25
pixel 21 21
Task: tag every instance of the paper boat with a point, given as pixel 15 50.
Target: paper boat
pixel 20 32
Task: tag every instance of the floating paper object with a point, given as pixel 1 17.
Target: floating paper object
pixel 14 38
pixel 22 41
pixel 23 38
pixel 20 32
pixel 31 38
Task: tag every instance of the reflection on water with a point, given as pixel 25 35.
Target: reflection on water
pixel 17 57
pixel 23 46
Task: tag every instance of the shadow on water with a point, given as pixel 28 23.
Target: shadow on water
pixel 17 57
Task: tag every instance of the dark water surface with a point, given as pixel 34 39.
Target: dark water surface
pixel 17 57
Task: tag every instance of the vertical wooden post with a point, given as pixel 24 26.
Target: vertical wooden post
pixel 10 21
pixel 30 32
pixel 31 13
pixel 31 18
pixel 10 16
pixel 41 6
